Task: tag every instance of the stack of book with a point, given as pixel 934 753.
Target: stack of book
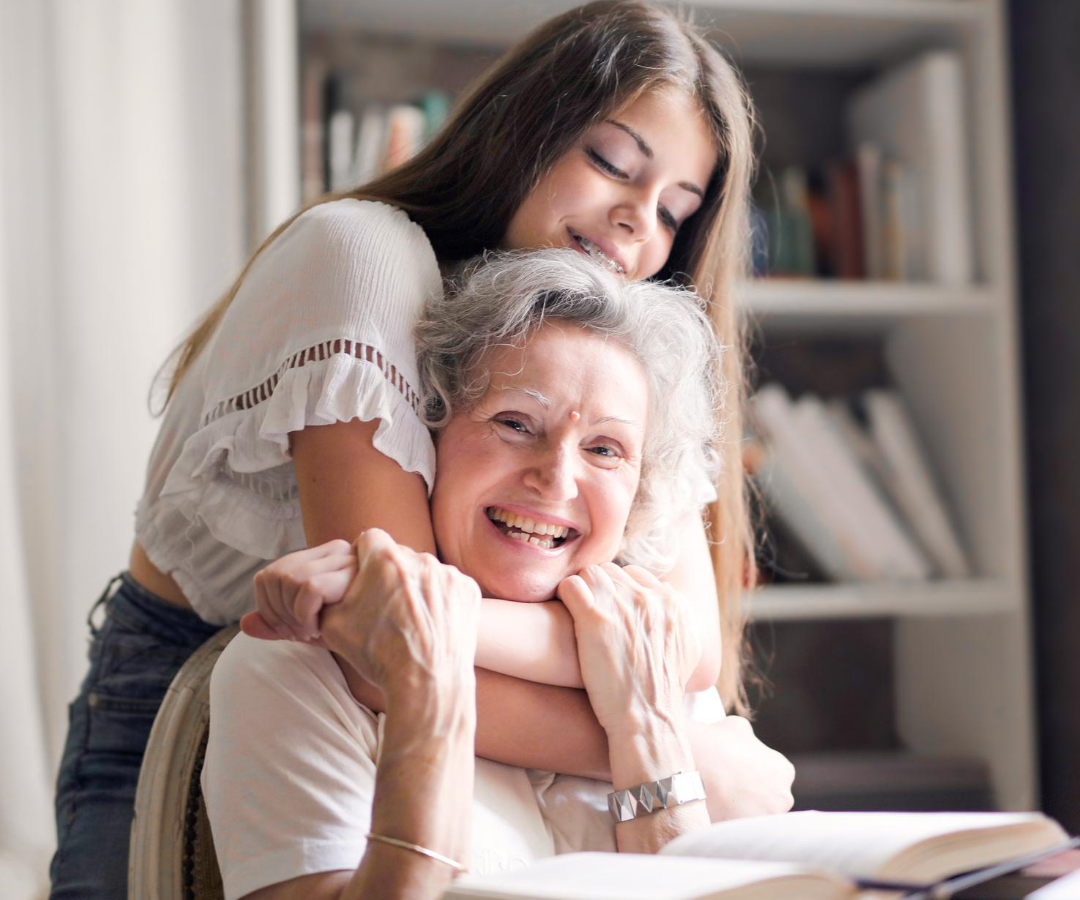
pixel 346 145
pixel 896 208
pixel 857 493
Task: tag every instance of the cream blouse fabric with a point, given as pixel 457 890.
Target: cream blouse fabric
pixel 289 776
pixel 319 332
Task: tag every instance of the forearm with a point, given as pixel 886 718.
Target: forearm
pixel 423 795
pixel 522 723
pixel 693 577
pixel 530 641
pixel 536 642
pixel 539 726
pixel 653 751
pixel 742 776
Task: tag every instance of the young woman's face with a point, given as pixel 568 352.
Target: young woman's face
pixel 623 191
pixel 537 480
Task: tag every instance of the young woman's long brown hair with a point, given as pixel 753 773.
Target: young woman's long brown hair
pixel 572 72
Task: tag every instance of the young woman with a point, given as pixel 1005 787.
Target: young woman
pixel 614 129
pixel 311 795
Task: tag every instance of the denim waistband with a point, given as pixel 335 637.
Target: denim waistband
pixel 134 607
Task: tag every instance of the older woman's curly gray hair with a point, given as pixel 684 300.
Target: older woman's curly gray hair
pixel 503 298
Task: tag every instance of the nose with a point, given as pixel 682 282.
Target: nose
pixel 636 215
pixel 553 476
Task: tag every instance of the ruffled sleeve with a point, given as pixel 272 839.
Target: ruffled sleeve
pixel 319 332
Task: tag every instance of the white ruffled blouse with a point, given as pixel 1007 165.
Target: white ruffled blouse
pixel 320 331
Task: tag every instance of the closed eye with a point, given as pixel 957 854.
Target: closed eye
pixel 664 215
pixel 605 165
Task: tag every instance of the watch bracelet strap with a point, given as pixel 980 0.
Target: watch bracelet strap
pixel 651 796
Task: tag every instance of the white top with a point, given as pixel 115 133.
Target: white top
pixel 320 331
pixel 289 776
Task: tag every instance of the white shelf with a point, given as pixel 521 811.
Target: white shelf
pixel 862 601
pixel 962 668
pixel 852 34
pixel 825 304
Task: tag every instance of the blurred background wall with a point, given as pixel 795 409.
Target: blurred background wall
pixel 121 217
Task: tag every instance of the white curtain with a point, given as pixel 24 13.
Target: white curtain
pixel 121 218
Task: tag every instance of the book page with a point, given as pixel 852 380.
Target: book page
pixel 628 876
pixel 857 844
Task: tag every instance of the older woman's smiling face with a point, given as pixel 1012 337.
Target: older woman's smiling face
pixel 537 480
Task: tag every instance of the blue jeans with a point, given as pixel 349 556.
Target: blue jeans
pixel 134 654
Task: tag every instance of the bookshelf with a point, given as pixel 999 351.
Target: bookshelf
pixel 962 672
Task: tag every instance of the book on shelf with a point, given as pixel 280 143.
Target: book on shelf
pixel 802 521
pixel 843 244
pixel 868 174
pixel 907 476
pixel 860 500
pixel 347 141
pixel 786 217
pixel 896 556
pixel 896 207
pixel 915 115
pixel 340 153
pixel 405 127
pixel 851 218
pixel 795 192
pixel 312 175
pixel 794 478
pixel 809 855
pixel 370 141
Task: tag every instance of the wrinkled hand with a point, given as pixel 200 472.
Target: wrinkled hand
pixel 636 644
pixel 291 592
pixel 407 622
pixel 742 776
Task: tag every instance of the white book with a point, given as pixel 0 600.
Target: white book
pixel 894 250
pixel 341 149
pixel 915 114
pixel 868 165
pixel 896 555
pixel 774 413
pixel 866 452
pixel 909 480
pixel 370 144
pixel 802 520
pixel 856 437
pixel 805 855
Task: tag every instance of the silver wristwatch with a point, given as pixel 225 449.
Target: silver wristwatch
pixel 643 799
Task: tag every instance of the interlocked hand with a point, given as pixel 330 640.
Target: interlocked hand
pixel 636 644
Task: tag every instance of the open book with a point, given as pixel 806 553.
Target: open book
pixel 805 855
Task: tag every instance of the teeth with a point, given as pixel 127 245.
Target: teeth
pixel 599 255
pixel 521 528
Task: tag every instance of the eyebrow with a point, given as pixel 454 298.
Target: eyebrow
pixel 644 147
pixel 536 395
pixel 603 420
pixel 544 402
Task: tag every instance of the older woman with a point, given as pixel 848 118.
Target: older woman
pixel 568 420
